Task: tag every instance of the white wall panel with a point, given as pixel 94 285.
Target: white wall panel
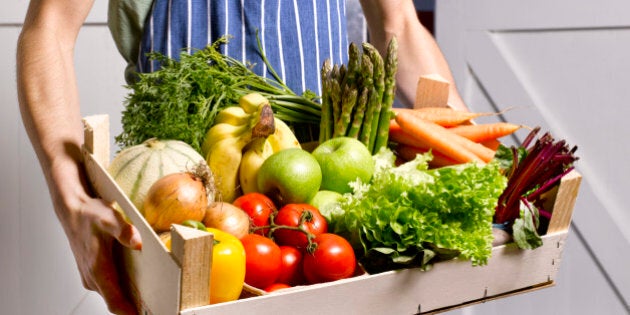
pixel 10 129
pixel 563 65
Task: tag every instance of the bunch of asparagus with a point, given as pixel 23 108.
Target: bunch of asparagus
pixel 357 98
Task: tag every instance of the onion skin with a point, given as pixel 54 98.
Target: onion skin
pixel 228 218
pixel 174 199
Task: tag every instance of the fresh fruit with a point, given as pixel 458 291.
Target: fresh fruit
pixel 263 260
pixel 291 272
pixel 290 176
pixel 302 219
pixel 135 169
pixel 343 160
pixel 225 141
pixel 276 287
pixel 328 203
pixel 260 149
pixel 258 207
pixel 333 259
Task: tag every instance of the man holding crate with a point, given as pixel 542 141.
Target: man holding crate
pixel 49 99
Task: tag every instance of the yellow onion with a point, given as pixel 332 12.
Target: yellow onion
pixel 176 198
pixel 228 218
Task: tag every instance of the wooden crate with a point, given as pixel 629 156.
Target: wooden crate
pixel 177 283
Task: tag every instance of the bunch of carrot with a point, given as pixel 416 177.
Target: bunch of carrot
pixel 449 134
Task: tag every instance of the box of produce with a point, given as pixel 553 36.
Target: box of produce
pixel 250 198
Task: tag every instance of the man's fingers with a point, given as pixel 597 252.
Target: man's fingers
pixel 107 284
pixel 115 225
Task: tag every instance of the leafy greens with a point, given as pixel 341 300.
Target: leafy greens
pixel 410 215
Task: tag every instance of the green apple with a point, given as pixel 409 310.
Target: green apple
pixel 328 204
pixel 289 176
pixel 343 160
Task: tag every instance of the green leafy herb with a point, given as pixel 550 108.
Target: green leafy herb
pixel 409 215
pixel 180 100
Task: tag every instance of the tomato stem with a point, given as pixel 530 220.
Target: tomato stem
pixel 306 216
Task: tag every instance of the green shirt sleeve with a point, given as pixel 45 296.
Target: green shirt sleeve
pixel 126 19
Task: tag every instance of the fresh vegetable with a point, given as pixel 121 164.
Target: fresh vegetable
pixel 333 259
pixel 136 168
pixel 298 221
pixel 227 274
pixel 223 147
pixel 443 116
pixel 410 215
pixel 276 287
pixel 181 99
pixel 357 99
pixel 485 132
pixel 263 260
pixel 431 135
pixel 227 218
pixel 291 271
pixel 259 208
pixel 178 197
pixel 408 153
pixel 532 169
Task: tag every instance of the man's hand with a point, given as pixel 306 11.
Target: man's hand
pixel 92 230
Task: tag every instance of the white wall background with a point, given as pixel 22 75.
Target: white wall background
pixel 563 64
pixel 587 91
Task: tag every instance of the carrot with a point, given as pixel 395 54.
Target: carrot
pixel 444 116
pixel 396 134
pixel 492 144
pixel 484 132
pixel 437 137
pixel 408 153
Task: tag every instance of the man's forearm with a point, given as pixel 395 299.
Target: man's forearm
pixel 49 101
pixel 417 50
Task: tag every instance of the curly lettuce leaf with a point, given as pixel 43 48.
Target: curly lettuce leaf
pixel 412 214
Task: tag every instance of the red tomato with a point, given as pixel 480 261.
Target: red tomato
pixel 332 260
pixel 291 272
pixel 259 207
pixel 262 260
pixel 290 215
pixel 276 287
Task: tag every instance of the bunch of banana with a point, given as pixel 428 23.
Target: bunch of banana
pixel 234 128
pixel 240 140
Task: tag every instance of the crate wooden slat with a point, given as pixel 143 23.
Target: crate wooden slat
pixel 156 278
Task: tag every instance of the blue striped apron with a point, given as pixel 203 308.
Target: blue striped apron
pixel 296 36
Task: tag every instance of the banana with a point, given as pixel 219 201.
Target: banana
pixel 224 160
pixel 233 115
pixel 219 132
pixel 255 154
pixel 252 102
pixel 225 141
pixel 283 137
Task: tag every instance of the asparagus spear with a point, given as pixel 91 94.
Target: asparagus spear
pixel 357 118
pixel 349 98
pixel 335 93
pixel 376 97
pixel 326 123
pixel 391 66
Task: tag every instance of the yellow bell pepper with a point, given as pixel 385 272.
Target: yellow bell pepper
pixel 227 275
pixel 228 267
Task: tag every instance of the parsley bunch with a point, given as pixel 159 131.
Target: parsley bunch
pixel 181 99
